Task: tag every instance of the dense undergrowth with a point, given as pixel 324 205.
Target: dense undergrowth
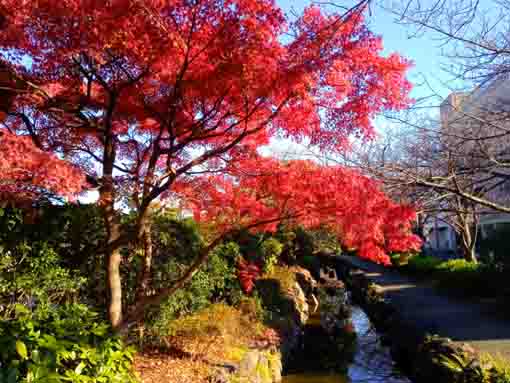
pixel 63 344
pixel 53 323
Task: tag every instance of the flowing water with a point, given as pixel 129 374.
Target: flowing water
pixel 372 361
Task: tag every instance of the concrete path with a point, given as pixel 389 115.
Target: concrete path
pixel 419 302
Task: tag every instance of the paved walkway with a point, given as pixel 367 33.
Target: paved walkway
pixel 435 313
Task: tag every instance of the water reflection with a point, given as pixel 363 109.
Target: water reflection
pixel 372 362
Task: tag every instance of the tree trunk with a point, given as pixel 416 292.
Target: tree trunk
pixel 136 312
pixel 113 255
pixel 144 276
pixel 111 218
pixel 468 244
pixel 115 288
pixel 469 253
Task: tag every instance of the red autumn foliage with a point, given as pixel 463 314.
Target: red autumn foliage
pixel 263 190
pixel 27 170
pixel 247 273
pixel 164 78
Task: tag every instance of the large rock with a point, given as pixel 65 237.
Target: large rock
pixel 305 280
pixel 260 367
pixel 287 295
pixel 302 309
pixel 255 366
pixel 335 311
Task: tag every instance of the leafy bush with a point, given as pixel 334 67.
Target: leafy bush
pixel 423 264
pixel 31 274
pixel 213 280
pixel 270 250
pixel 55 247
pixel 495 247
pixel 498 368
pixel 272 289
pixel 460 275
pixel 300 243
pixel 66 344
pixel 216 281
pixel 303 242
pixel 401 259
pixel 31 271
pixel 457 266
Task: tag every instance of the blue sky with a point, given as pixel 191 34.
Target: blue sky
pixel 424 51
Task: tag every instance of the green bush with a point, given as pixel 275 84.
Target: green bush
pixel 31 274
pixel 31 271
pixel 457 266
pixel 495 247
pixel 459 275
pixel 52 251
pixel 68 343
pixel 273 290
pixel 423 264
pixel 217 326
pixel 216 281
pixel 270 251
pixel 401 259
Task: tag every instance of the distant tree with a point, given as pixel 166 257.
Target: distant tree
pixel 418 167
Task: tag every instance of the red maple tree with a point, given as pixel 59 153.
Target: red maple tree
pixel 143 96
pixel 262 192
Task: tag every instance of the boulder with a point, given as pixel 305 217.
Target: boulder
pixel 260 367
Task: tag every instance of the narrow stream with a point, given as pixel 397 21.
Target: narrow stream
pixel 372 361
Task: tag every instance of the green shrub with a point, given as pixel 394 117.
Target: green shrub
pixel 218 324
pixel 32 272
pixel 65 344
pixel 495 247
pixel 273 290
pixel 299 242
pixel 401 259
pixel 471 279
pixel 457 266
pixel 499 371
pixel 423 264
pixel 216 281
pixel 270 251
pixel 50 254
pixel 460 276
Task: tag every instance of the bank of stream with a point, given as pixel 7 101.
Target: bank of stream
pixel 371 363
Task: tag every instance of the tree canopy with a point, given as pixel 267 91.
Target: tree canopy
pixel 153 98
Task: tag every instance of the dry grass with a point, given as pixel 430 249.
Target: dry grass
pixel 199 343
pixel 154 367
